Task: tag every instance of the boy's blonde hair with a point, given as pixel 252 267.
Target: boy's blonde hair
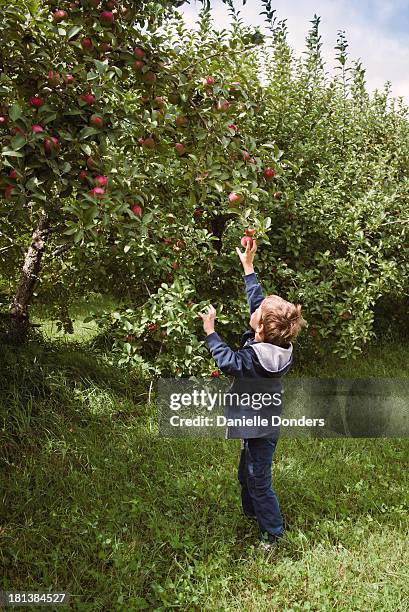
pixel 282 321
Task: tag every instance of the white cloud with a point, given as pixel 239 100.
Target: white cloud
pixel 384 56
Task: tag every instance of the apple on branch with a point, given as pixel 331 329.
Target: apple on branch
pixel 36 101
pixel 107 18
pixel 269 173
pixel 101 181
pixel 59 15
pixel 235 198
pixel 96 121
pixel 139 53
pixel 86 43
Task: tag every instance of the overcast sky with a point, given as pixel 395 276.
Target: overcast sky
pixel 377 32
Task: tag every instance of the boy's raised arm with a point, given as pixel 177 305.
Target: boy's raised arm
pixel 253 288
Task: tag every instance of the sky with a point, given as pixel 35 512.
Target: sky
pixel 377 32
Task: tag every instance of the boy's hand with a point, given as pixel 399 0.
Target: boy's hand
pixel 208 319
pixel 247 257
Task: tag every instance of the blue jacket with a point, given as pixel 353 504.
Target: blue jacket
pixel 256 367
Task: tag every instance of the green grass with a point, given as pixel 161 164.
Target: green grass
pixel 95 504
pixel 83 332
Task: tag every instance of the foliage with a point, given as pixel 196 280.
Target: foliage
pixel 331 225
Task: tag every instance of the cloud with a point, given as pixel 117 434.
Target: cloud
pixel 375 29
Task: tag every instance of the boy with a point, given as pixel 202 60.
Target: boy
pixel 265 354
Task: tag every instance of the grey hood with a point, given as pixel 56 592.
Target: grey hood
pixel 272 358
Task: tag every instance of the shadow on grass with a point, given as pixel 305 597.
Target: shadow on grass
pixel 99 506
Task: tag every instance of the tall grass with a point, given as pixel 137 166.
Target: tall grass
pixel 94 503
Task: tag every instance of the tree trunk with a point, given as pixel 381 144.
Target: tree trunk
pixel 19 315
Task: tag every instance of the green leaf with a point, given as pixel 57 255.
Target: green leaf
pixel 79 236
pixel 12 153
pixel 18 141
pixel 15 112
pixel 87 131
pixel 70 231
pixel 74 31
pixel 86 148
pixel 100 66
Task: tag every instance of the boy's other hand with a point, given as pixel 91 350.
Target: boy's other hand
pixel 208 319
pixel 247 257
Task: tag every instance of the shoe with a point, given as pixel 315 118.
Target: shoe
pixel 272 542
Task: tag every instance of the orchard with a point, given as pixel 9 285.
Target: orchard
pixel 137 154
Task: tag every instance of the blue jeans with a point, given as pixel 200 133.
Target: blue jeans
pixel 257 496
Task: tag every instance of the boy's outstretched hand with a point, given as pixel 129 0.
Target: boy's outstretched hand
pixel 247 257
pixel 208 319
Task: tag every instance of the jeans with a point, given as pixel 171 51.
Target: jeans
pixel 257 496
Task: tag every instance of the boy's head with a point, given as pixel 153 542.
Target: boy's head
pixel 277 321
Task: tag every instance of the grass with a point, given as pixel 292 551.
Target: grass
pixel 95 504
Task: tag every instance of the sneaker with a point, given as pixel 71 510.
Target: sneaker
pixel 272 542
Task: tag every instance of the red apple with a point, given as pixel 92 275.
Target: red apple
pixel 149 77
pixel 149 143
pixel 277 195
pixel 13 175
pixel 151 327
pixel 269 173
pixel 86 43
pixel 215 374
pixel 4 121
pixel 232 126
pixel 96 121
pixel 53 78
pixel 87 98
pixel 158 102
pixel 250 231
pixel 139 53
pixel 48 147
pixel 97 192
pixel 224 106
pixel 17 130
pixel 69 79
pixel 181 121
pixel 8 192
pixel 59 15
pixel 101 181
pixel 138 65
pixel 246 240
pixel 246 155
pixel 104 47
pixel 180 148
pixel 174 98
pixel 83 175
pixel 37 129
pixel 107 18
pixel 235 198
pixel 36 101
pixel 90 163
pixel 209 80
pixel 137 210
